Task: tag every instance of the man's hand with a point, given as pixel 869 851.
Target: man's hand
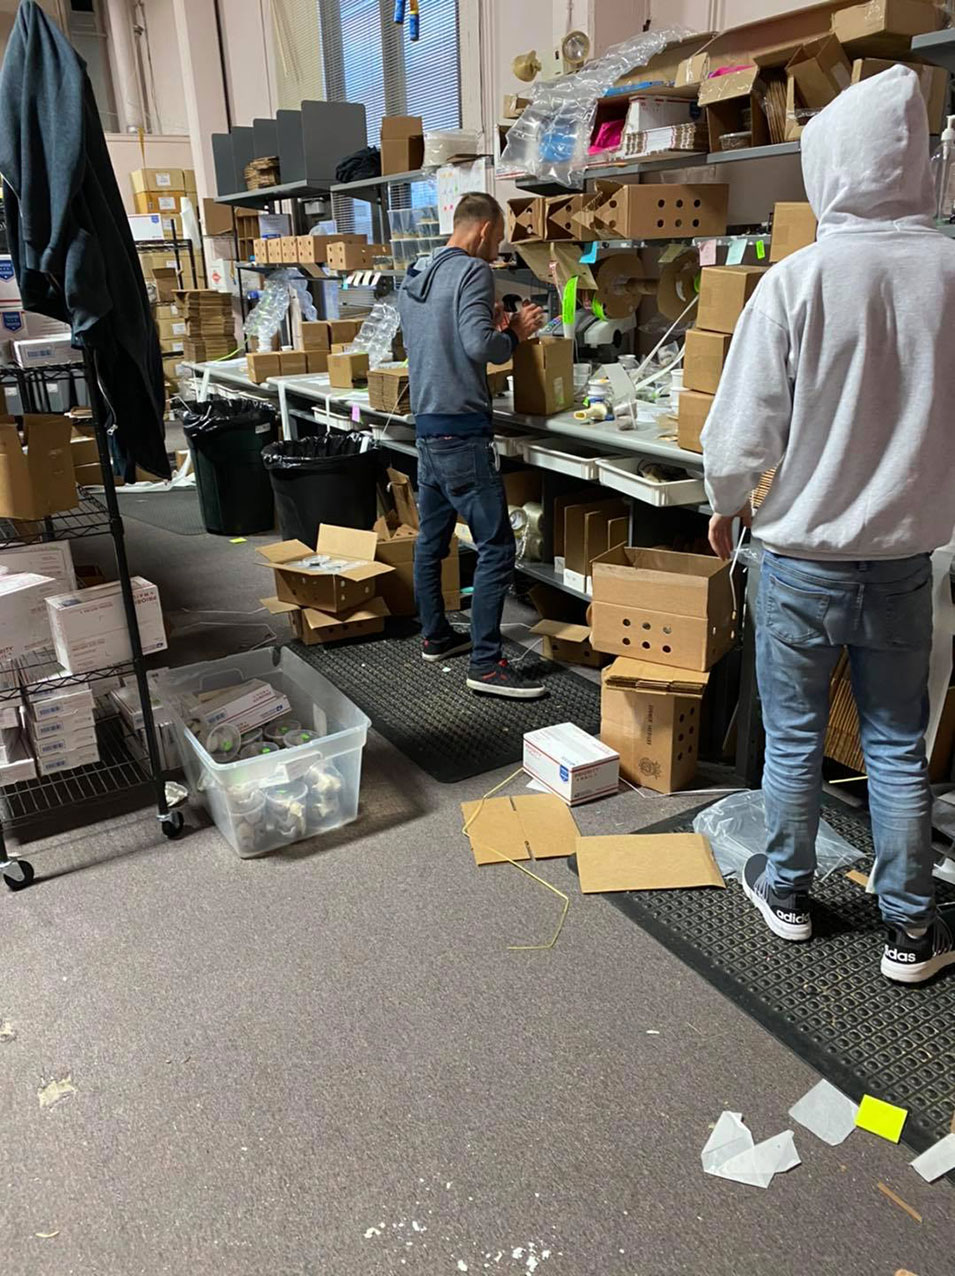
pixel 501 317
pixel 721 531
pixel 526 321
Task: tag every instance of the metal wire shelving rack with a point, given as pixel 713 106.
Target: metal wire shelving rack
pixel 124 766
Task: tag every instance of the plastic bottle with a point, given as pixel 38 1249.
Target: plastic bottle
pixel 943 173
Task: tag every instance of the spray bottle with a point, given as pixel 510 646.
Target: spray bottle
pixel 943 173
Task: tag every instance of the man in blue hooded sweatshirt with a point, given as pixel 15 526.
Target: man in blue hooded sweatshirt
pixel 453 330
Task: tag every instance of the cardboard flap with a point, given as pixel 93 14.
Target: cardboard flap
pixel 402 493
pixel 722 88
pixel 541 824
pixel 365 571
pixel 346 542
pixel 653 861
pixel 562 630
pixel 283 552
pixel 275 606
pixel 626 674
pixel 316 621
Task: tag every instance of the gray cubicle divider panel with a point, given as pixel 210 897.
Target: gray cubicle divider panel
pixel 291 146
pixel 265 139
pixel 331 130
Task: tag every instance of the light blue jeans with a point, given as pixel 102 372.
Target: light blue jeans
pixel 882 613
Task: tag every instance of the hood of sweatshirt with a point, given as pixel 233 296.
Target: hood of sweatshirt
pixel 417 284
pixel 865 158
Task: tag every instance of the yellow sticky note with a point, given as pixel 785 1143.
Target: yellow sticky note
pixel 883 1119
pixel 237 540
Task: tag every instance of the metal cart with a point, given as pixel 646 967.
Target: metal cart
pixel 119 768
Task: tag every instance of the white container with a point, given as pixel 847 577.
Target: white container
pixel 256 802
pixel 574 765
pixel 512 443
pixel 578 460
pixel 620 473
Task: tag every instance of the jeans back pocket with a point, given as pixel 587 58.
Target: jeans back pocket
pixel 794 613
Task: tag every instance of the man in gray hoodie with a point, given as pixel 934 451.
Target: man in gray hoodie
pixel 452 330
pixel 841 376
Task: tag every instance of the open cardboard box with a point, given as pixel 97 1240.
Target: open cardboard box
pixel 338 576
pixel 650 714
pixel 397 533
pixel 571 644
pixel 525 219
pixel 884 28
pixel 664 68
pixel 314 627
pixel 933 81
pixel 664 607
pixel 36 475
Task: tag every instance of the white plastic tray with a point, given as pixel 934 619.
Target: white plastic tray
pixel 578 460
pixel 620 473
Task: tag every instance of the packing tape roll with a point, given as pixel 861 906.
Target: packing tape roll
pixel 518 517
pixel 534 547
pixel 621 285
pixel 678 284
pixel 535 516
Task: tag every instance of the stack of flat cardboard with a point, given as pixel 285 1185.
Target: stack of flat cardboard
pixel 209 323
pixel 397 533
pixel 331 592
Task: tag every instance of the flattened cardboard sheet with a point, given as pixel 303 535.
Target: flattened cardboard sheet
pixel 536 823
pixel 646 862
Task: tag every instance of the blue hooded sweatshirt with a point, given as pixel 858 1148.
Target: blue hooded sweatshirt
pixel 447 317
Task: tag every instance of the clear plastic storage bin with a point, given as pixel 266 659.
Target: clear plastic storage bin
pixel 261 803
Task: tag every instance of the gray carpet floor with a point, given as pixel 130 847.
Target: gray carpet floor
pixel 327 1061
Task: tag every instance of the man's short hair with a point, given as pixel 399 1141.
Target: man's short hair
pixel 476 206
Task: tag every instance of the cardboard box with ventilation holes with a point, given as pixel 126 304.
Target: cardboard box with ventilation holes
pixel 650 715
pixel 661 211
pixel 660 606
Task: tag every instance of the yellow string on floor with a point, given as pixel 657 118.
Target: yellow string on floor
pixel 522 948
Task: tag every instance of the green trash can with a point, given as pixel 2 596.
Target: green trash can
pixel 226 441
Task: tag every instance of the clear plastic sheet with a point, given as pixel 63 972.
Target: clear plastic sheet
pixel 377 333
pixel 551 139
pixel 736 829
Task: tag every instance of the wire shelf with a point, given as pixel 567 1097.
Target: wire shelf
pixel 89 518
pixel 117 771
pixel 26 673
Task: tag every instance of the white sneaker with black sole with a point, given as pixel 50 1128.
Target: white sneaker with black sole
pixel 911 959
pixel 786 915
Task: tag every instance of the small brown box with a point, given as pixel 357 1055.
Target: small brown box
pixel 274 250
pixel 525 219
pixel 794 227
pixel 290 249
pixel 162 202
pixel 656 733
pixel 703 359
pixel 402 144
pixel 724 292
pixel 294 363
pixel 263 364
pixel 315 334
pixel 347 256
pixel 217 219
pixel 544 376
pixel 313 249
pixel 694 409
pixel 343 330
pixel 317 361
pixel 389 390
pixel 345 371
pixel 660 211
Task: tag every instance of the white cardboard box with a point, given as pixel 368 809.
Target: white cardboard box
pixel 62 726
pixel 60 746
pixel 9 288
pixel 40 352
pixel 52 558
pixel 89 627
pixel 46 703
pixel 23 625
pixel 21 766
pixel 68 761
pixel 245 707
pixel 574 765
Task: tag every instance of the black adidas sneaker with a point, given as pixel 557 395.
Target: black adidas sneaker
pixel 786 915
pixel 457 643
pixel 912 961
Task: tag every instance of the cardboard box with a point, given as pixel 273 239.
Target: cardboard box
pixel 313 249
pixel 274 250
pixel 289 249
pixel 726 98
pixel 660 606
pixel 339 575
pixel 316 361
pixel 48 558
pixel 690 72
pixel 24 626
pixel 159 202
pixel 89 627
pixel 340 256
pixel 217 219
pixel 36 480
pixel 820 71
pixel 794 227
pixel 571 763
pixel 559 213
pixel 146 180
pixel 170 329
pixel 9 288
pixel 402 144
pixel 63 725
pixel 703 359
pixel 933 81
pixel 389 390
pixel 260 251
pixel 345 371
pixel 313 627
pixel 544 376
pixel 41 352
pixel 321 334
pixel 514 106
pixel 50 700
pixel 245 707
pixel 397 589
pixel 653 722
pixel 568 643
pixel 525 219
pixel 693 412
pixel 724 292
pixel 263 364
pixel 660 211
pixel 651 110
pixel 884 28
pixel 294 363
pixel 590 529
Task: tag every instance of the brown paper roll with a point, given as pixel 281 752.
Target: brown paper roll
pixel 621 285
pixel 678 284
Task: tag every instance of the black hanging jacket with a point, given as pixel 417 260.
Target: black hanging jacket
pixel 68 234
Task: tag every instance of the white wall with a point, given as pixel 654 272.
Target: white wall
pixel 161 151
pixel 167 113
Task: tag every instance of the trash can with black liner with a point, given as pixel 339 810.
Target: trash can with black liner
pixel 227 440
pixel 322 480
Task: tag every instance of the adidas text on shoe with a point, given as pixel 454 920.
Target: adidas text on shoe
pixel 787 916
pixel 457 643
pixel 908 960
pixel 503 680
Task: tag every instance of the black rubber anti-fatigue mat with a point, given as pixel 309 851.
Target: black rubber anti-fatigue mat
pixel 430 715
pixel 826 1000
pixel 172 511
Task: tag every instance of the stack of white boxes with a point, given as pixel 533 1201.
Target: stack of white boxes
pixel 89 627
pixel 60 723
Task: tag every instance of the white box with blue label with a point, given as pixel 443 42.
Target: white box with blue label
pixel 569 762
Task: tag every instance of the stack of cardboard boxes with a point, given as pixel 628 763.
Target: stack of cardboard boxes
pixel 340 251
pixel 322 342
pixel 397 533
pixel 613 211
pixel 161 191
pixel 209 323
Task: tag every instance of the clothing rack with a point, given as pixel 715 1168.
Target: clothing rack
pixel 121 767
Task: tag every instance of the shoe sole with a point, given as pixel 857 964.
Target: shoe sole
pixel 918 973
pixel 506 693
pixel 446 655
pixel 794 934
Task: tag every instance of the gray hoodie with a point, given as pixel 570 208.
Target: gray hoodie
pixel 447 317
pixel 842 368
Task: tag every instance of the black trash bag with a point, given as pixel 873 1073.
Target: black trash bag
pixel 302 453
pixel 216 415
pixel 360 165
pixel 322 480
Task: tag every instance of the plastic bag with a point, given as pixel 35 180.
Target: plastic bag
pixel 377 333
pixel 736 829
pixel 551 140
pixel 301 454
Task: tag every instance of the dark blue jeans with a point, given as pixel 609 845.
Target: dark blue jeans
pixel 459 476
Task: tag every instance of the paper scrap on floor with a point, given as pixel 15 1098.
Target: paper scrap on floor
pixel 646 862
pixel 731 1153
pixel 937 1160
pixel 881 1118
pixel 538 824
pixel 827 1113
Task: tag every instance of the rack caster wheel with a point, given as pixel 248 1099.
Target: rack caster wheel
pixel 173 826
pixel 18 875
